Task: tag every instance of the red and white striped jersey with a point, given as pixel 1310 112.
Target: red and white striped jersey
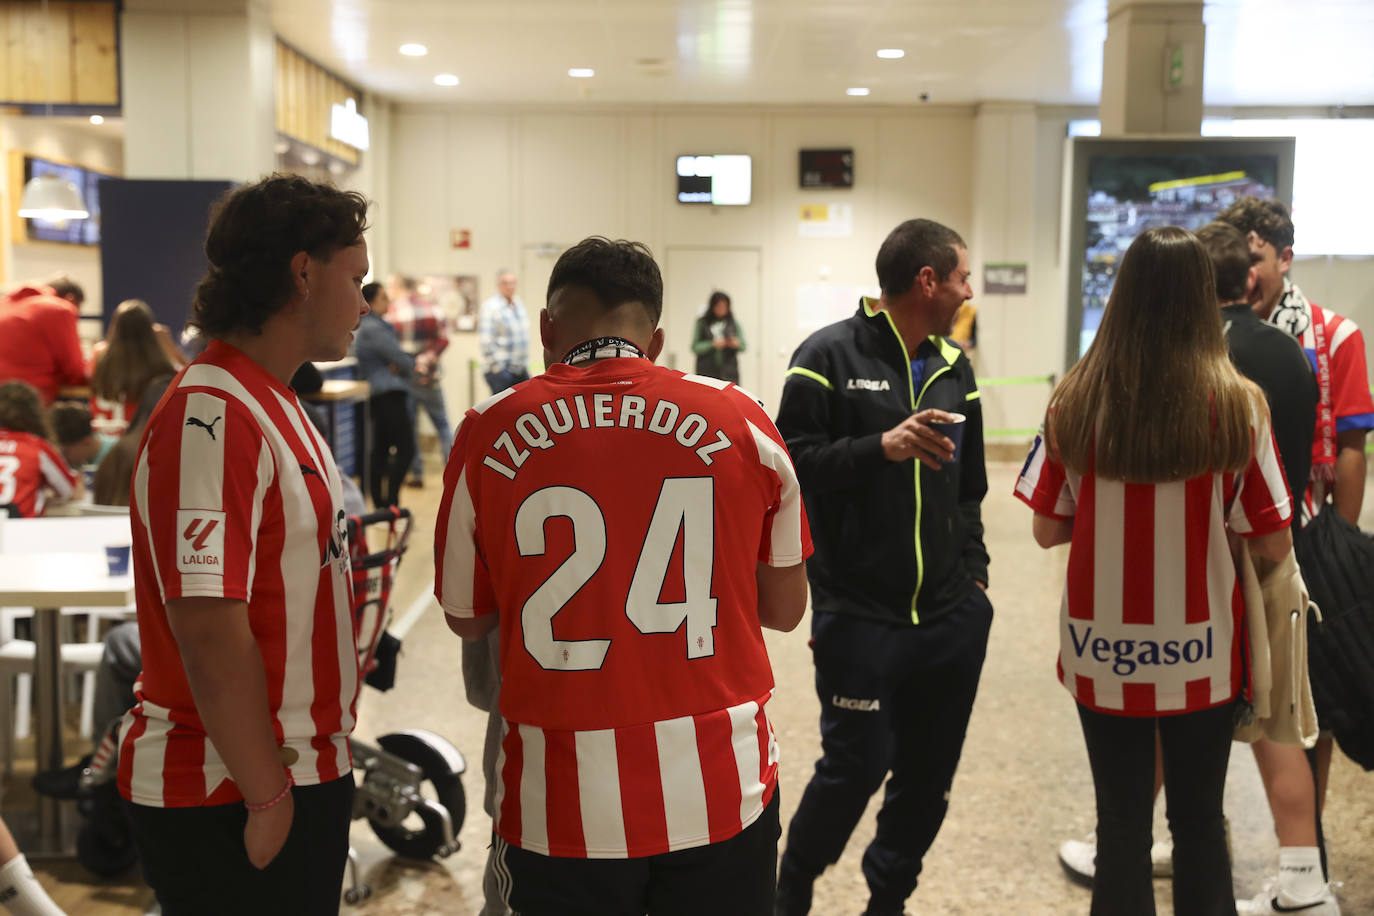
pixel 29 468
pixel 235 495
pixel 111 417
pixel 1152 605
pixel 616 515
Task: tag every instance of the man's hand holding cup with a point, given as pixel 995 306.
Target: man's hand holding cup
pixel 930 436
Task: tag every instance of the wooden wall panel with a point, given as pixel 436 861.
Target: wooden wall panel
pixel 306 95
pixel 73 61
pixel 95 55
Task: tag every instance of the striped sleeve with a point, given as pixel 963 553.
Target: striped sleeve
pixel 1044 484
pixel 462 583
pixel 786 534
pixel 1350 393
pixel 201 483
pixel 59 478
pixel 1262 504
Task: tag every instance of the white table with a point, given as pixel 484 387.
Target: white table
pixel 48 581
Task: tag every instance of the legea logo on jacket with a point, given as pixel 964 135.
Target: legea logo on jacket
pixel 868 384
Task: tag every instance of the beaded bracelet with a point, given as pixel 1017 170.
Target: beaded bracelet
pixel 286 790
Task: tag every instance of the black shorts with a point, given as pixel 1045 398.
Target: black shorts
pixel 735 877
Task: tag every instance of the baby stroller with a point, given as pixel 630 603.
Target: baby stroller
pixel 411 791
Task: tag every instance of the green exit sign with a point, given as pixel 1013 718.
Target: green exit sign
pixel 1174 68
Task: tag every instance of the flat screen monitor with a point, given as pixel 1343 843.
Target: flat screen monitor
pixel 1120 188
pixel 722 180
pixel 72 231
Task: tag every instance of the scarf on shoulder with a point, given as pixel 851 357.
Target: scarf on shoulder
pixel 1295 314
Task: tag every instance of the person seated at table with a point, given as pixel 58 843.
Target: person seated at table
pixel 31 469
pixel 112 475
pixel 38 339
pixel 135 349
pixel 77 439
pixel 20 892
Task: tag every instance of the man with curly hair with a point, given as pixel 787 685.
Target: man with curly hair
pixel 234 758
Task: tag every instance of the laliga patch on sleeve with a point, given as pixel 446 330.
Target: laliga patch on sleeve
pixel 200 541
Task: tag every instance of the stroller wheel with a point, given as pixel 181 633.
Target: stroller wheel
pixel 103 855
pixel 421 836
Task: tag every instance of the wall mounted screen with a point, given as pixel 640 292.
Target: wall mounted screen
pixel 1120 188
pixel 725 181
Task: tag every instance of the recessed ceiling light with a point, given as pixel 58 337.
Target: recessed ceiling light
pixel 582 73
pixel 411 49
pixel 97 119
pixel 891 53
pixel 856 90
pixel 446 79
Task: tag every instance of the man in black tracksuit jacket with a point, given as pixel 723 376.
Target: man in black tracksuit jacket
pixel 900 620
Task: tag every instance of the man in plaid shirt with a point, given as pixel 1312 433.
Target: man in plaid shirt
pixel 503 329
pixel 420 325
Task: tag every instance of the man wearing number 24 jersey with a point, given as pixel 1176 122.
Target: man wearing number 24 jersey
pixel 629 528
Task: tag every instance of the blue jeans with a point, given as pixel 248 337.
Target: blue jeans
pixel 431 398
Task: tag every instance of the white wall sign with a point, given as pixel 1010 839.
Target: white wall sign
pixel 820 304
pixel 826 221
pixel 348 126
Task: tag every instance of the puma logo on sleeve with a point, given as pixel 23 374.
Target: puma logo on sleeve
pixel 208 427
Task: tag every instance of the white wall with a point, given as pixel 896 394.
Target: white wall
pixel 532 181
pixel 88 146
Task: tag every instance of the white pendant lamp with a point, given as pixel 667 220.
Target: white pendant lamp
pixel 51 198
pixel 48 197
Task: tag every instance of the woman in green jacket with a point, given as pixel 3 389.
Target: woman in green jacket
pixel 718 340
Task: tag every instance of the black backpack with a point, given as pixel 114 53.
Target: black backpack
pixel 1337 562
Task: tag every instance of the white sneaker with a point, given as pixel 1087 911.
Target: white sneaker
pixel 1079 858
pixel 1274 902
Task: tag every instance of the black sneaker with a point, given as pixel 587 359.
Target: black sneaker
pixel 64 783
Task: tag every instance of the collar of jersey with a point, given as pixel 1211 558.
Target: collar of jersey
pixel 239 365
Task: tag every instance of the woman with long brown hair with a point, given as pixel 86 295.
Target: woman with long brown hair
pixel 1154 449
pixel 133 352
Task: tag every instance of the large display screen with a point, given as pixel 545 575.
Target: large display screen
pixel 725 181
pixel 71 231
pixel 1123 187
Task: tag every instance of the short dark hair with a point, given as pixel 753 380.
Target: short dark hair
pixel 370 291
pixel 70 423
pixel 255 230
pixel 915 244
pixel 1230 255
pixel 67 288
pixel 1268 219
pixel 615 272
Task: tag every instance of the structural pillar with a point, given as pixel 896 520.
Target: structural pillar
pixel 198 89
pixel 1152 68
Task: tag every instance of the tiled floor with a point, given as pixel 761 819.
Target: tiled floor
pixel 1023 785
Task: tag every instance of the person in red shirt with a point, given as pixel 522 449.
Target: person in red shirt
pixel 1145 490
pixel 38 341
pixel 234 760
pixel 31 467
pixel 629 529
pixel 1295 781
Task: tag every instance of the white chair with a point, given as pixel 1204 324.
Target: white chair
pixel 16 672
